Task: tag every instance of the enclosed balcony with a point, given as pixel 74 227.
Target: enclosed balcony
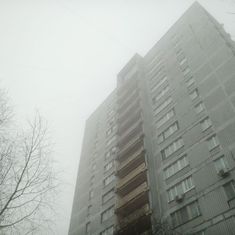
pixel 131 132
pixel 127 112
pixel 132 118
pixel 125 89
pixel 135 223
pixel 131 162
pixel 134 95
pixel 132 180
pixel 133 200
pixel 131 146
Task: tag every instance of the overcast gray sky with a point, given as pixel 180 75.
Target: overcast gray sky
pixel 61 57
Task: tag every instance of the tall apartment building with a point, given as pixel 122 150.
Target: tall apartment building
pixel 162 145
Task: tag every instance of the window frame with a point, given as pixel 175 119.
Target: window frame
pixel 202 107
pixel 215 142
pixel 206 123
pixel 178 219
pixel 224 164
pixel 175 145
pixel 165 118
pixel 195 91
pixel 108 210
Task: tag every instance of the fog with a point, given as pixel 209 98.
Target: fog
pixel 61 57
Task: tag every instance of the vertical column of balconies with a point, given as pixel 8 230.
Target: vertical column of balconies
pixel 132 203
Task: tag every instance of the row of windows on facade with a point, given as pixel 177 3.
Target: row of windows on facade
pixel 170 130
pixel 212 143
pixel 165 89
pixel 105 198
pixel 184 214
pixel 105 215
pixel 109 179
pixel 156 69
pixel 108 157
pixel 192 210
pixel 199 107
pixel 182 162
pixel 180 216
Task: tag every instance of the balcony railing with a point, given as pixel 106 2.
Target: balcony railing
pixel 143 211
pixel 126 102
pixel 131 158
pixel 141 168
pixel 129 145
pixel 133 194
pixel 134 117
pixel 125 89
pixel 133 129
pixel 131 108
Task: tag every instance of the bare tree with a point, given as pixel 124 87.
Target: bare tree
pixel 27 180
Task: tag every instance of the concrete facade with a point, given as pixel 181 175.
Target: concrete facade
pixel 186 97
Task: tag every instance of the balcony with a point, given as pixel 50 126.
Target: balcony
pixel 125 89
pixel 134 117
pixel 131 145
pixel 131 132
pixel 132 180
pixel 127 112
pixel 135 199
pixel 134 95
pixel 138 221
pixel 132 161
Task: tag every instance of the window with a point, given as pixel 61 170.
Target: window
pixel 229 189
pixel 165 118
pixel 199 107
pixel 156 61
pixel 108 166
pixel 220 164
pixel 161 94
pixel 88 228
pixel 212 142
pixel 107 214
pixel 173 147
pixel 93 166
pixel 162 106
pixel 156 69
pixel 91 194
pixel 171 129
pixel 168 132
pixel 176 166
pixel 110 112
pixel 89 210
pixel 194 94
pixel 159 83
pixel 206 123
pixel 179 51
pixel 92 180
pixel 110 153
pixel 111 129
pixel 107 196
pixel 190 82
pixel 183 61
pixel 185 214
pixel 108 179
pixel 108 231
pixel 180 188
pixel 111 140
pixel 186 71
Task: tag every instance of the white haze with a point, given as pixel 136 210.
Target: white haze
pixel 61 57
